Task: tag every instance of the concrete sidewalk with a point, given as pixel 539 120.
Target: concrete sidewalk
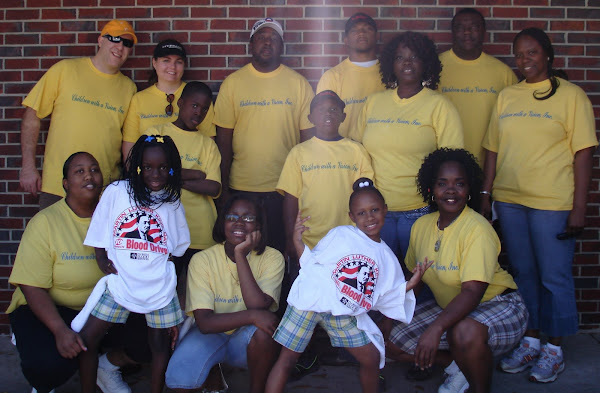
pixel 581 375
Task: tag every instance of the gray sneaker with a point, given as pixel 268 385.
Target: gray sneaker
pixel 111 381
pixel 454 383
pixel 521 358
pixel 548 366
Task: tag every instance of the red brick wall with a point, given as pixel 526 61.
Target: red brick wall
pixel 34 34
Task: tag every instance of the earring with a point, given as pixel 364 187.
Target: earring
pixel 468 199
pixel 432 198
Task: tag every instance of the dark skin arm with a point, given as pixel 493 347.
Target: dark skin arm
pixel 68 343
pixel 225 144
pixel 290 212
pixel 253 296
pixel 105 264
pixel 210 322
pixel 489 173
pixel 194 180
pixel 465 302
pixel 582 168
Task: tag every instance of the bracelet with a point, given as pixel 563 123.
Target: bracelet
pixel 485 193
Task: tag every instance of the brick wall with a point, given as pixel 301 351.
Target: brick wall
pixel 34 34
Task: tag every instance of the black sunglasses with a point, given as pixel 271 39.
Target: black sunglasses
pixel 169 108
pixel 126 42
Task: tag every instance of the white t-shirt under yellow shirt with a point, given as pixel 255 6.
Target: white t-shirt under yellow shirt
pixel 147 109
pixel 399 134
pixel 473 87
pixel 353 84
pixel 197 152
pixel 88 109
pixel 536 142
pixel 468 251
pixel 320 174
pixel 266 112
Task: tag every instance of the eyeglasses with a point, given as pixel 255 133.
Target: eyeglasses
pixel 236 218
pixel 169 108
pixel 126 42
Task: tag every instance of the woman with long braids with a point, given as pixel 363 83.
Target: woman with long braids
pixel 538 164
pixel 401 125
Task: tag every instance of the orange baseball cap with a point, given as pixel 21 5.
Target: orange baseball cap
pixel 118 27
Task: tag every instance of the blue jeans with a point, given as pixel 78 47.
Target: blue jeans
pixel 541 266
pixel 396 229
pixel 197 353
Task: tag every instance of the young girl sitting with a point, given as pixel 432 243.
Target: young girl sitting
pixel 138 224
pixel 232 291
pixel 350 272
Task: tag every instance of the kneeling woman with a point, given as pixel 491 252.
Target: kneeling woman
pixel 232 291
pixel 477 312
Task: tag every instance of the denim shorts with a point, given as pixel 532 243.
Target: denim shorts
pixel 197 353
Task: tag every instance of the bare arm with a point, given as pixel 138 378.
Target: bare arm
pixel 290 211
pixel 126 149
pixel 466 301
pixel 210 322
pixel 253 296
pixel 68 343
pixel 582 167
pixel 105 264
pixel 225 145
pixel 194 180
pixel 489 173
pixel 30 178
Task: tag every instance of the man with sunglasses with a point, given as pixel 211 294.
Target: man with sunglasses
pixel 88 99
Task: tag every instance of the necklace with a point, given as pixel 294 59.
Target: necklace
pixel 233 276
pixel 440 234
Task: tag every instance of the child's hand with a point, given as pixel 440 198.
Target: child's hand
pixel 299 229
pixel 107 266
pixel 252 240
pixel 418 272
pixel 174 333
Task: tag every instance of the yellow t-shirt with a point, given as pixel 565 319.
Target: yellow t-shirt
pixel 52 256
pixel 266 112
pixel 399 133
pixel 473 87
pixel 88 108
pixel 212 282
pixel 197 151
pixel 353 84
pixel 469 252
pixel 147 109
pixel 536 142
pixel 320 174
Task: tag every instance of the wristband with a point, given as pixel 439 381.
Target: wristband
pixel 485 193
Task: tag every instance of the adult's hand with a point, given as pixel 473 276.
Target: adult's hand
pixel 30 180
pixel 68 343
pixel 427 347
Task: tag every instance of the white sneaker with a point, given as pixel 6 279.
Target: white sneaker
pixel 111 381
pixel 454 383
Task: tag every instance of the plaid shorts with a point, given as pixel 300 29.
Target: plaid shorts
pixel 504 315
pixel 107 309
pixel 297 327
